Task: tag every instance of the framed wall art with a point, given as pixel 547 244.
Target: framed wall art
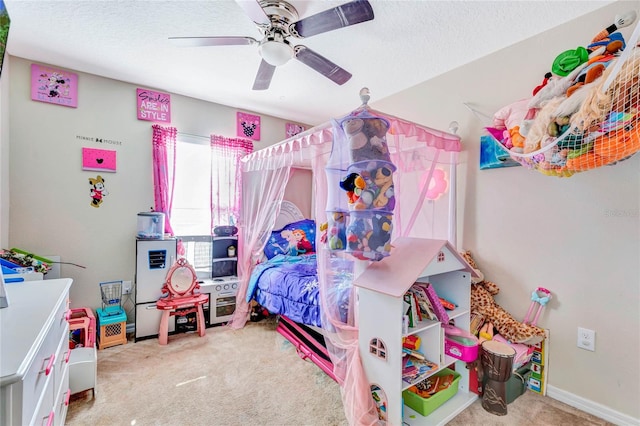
pixel 293 129
pixel 248 126
pixel 54 86
pixel 153 106
pixel 101 160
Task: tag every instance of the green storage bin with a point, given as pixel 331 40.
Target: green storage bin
pixel 517 383
pixel 426 406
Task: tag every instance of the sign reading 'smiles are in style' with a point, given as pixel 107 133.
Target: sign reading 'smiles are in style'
pixel 154 106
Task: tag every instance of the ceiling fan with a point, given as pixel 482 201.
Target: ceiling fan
pixel 278 20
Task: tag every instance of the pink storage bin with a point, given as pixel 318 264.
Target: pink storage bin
pixel 460 344
pixel 464 352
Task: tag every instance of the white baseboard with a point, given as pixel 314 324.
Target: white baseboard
pixel 591 407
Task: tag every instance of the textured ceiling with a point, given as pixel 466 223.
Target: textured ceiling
pixel 407 42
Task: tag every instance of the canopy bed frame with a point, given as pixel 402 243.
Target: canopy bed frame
pixel 419 153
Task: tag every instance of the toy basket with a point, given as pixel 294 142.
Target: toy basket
pixel 585 116
pixel 111 293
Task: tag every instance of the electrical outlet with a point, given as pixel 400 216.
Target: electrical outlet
pixel 586 339
pixel 126 287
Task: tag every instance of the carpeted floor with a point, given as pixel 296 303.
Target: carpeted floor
pixel 243 377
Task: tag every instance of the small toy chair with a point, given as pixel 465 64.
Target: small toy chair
pixel 180 298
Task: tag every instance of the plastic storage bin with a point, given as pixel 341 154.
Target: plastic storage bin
pixel 83 319
pixel 426 406
pixel 112 329
pixel 151 225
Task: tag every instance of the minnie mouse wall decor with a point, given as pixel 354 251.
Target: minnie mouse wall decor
pixel 54 86
pixel 248 126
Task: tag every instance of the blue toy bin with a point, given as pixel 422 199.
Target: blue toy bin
pixel 369 234
pixel 10 270
pixel 378 191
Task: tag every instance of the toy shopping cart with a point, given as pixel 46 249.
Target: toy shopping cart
pixel 111 297
pixel 112 320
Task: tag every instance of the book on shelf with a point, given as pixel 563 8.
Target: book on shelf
pixel 439 310
pixel 414 369
pixel 423 305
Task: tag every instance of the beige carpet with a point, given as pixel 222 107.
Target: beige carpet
pixel 251 376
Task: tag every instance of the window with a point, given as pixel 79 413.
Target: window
pixel 206 183
pixel 191 208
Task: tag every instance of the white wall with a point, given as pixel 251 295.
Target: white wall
pixel 50 210
pixel 578 236
pixel 4 153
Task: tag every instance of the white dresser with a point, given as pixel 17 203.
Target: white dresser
pixel 34 353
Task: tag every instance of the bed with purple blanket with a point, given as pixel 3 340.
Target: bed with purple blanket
pixel 288 285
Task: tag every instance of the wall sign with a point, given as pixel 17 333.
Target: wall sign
pixel 248 126
pixel 153 106
pixel 293 129
pixel 54 86
pixel 102 160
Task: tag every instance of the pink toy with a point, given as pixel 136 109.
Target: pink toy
pixel 541 296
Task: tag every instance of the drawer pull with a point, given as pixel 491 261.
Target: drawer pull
pixel 66 358
pixel 49 419
pixel 49 366
pixel 67 398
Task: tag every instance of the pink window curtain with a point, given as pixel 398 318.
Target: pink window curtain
pixel 226 178
pixel 164 164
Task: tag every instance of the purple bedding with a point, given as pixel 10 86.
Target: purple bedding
pixel 288 285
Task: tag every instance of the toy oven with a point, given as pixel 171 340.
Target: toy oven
pixel 222 300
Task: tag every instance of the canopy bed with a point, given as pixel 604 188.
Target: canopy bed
pixel 424 178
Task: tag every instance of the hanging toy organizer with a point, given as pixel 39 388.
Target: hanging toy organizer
pixel 361 197
pixel 585 115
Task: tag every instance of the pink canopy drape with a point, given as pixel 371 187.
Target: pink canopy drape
pixel 226 178
pixel 164 165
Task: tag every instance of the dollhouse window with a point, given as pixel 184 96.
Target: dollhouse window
pixel 378 348
pixel 441 257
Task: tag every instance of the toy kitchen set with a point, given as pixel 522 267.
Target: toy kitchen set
pixel 213 257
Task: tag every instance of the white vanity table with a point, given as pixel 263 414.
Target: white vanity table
pixel 34 353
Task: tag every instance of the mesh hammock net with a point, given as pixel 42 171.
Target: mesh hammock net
pixel 585 115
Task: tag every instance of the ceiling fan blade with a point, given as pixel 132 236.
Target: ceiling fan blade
pixel 351 13
pixel 212 41
pixel 255 12
pixel 263 78
pixel 322 65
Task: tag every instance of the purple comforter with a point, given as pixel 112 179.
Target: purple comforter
pixel 288 285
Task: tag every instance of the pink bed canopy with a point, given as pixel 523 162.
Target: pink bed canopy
pixel 425 207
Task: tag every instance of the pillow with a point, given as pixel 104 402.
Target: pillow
pixel 294 239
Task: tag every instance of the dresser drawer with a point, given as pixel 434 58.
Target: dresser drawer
pixel 61 403
pixel 62 360
pixel 45 363
pixel 44 414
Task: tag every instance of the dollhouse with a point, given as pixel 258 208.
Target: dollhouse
pixel 381 288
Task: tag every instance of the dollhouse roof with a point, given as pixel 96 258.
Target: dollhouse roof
pixel 395 274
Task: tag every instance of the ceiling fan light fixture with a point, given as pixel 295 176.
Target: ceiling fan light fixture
pixel 276 53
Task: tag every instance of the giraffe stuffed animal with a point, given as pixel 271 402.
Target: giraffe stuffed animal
pixel 483 303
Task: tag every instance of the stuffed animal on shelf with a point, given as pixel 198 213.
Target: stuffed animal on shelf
pixel 483 303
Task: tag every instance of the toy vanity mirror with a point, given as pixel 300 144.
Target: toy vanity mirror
pixel 181 278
